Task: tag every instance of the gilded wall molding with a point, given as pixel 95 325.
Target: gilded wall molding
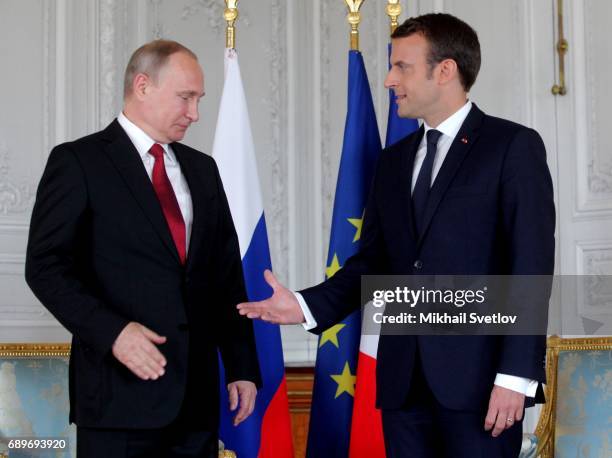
pixel 34 350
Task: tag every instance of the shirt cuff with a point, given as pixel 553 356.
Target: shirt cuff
pixel 521 385
pixel 310 323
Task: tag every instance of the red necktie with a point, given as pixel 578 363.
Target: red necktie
pixel 167 199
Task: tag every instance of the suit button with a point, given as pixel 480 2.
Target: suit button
pixel 183 327
pixel 418 264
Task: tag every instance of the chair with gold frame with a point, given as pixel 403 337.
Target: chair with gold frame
pixel 27 367
pixel 577 417
pixel 34 379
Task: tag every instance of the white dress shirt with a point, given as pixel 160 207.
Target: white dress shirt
pixel 449 128
pixel 143 143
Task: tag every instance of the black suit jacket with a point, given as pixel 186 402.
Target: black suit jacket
pixel 100 255
pixel 490 212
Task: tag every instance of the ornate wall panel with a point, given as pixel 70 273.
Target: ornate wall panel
pixel 28 125
pixel 585 160
pixel 593 73
pixel 595 260
pixel 25 84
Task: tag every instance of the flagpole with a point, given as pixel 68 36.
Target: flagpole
pixel 354 18
pixel 230 14
pixel 394 9
pixel 266 433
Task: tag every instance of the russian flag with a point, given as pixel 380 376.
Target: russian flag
pixel 267 432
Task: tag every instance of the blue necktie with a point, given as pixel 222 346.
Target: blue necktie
pixel 420 194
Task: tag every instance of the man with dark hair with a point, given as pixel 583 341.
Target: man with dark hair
pixel 448 38
pixel 133 249
pixel 466 194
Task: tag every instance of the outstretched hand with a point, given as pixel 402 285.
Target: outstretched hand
pixel 281 308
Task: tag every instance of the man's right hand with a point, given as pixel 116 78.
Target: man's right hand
pixel 135 348
pixel 281 308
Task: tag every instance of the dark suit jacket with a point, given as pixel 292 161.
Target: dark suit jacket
pixel 490 211
pixel 100 255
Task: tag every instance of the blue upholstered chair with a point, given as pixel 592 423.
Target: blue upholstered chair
pixel 34 397
pixel 576 421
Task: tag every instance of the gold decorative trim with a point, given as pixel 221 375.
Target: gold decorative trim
pixel 354 18
pixel 393 10
pixel 34 350
pixel 230 14
pixel 545 431
pixel 562 47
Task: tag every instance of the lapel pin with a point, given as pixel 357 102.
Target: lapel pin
pixel 464 140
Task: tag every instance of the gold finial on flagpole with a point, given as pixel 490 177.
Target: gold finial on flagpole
pixel 394 9
pixel 354 18
pixel 230 14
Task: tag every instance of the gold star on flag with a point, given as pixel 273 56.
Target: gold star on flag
pixel 357 222
pixel 345 381
pixel 331 335
pixel 333 267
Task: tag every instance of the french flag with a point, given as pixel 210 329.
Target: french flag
pixel 366 428
pixel 267 432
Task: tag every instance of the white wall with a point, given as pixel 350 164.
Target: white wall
pixel 62 67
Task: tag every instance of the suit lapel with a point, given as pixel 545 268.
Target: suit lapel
pixel 405 179
pixel 199 199
pixel 128 163
pixel 463 142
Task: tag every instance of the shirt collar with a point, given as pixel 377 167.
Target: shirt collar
pixel 451 125
pixel 141 140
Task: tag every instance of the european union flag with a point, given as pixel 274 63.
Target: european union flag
pixel 397 128
pixel 335 371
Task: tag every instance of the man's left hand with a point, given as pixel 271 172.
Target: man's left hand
pixel 505 407
pixel 244 393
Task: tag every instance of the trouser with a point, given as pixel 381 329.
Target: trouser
pixel 172 441
pixel 423 428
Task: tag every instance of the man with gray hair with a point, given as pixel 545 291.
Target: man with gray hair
pixel 132 248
